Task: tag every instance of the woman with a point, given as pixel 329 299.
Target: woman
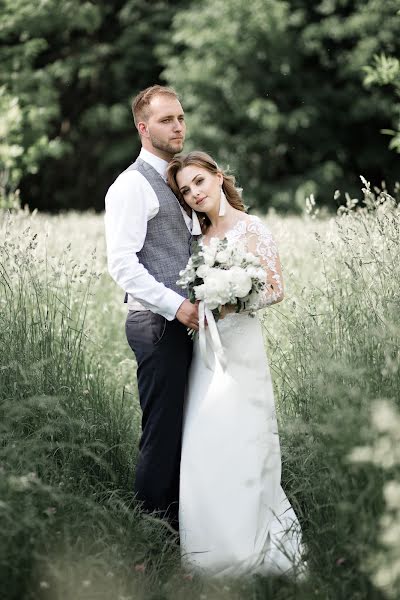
pixel 234 516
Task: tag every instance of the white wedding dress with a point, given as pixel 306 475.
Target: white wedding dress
pixel 234 517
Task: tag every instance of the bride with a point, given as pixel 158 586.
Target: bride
pixel 234 517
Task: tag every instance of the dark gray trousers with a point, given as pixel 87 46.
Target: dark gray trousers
pixel 163 353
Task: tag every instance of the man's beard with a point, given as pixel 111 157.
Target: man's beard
pixel 166 147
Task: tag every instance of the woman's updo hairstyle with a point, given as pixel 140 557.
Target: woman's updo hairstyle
pixel 204 161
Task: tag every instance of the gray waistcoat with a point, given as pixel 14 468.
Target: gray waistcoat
pixel 166 249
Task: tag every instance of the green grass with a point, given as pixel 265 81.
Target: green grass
pixel 69 420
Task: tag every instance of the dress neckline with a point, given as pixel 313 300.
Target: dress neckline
pixel 235 227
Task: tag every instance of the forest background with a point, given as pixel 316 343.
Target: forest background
pixel 296 97
pixel 299 98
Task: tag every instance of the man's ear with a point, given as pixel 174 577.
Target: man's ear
pixel 142 129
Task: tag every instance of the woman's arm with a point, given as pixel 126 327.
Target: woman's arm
pixel 261 243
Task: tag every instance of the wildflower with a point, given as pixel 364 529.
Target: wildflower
pixel 50 510
pixel 392 494
pixel 385 418
pixel 22 482
pixel 140 568
pixel 44 585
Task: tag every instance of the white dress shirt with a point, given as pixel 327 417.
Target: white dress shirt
pixel 130 203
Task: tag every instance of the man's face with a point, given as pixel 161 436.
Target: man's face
pixel 165 128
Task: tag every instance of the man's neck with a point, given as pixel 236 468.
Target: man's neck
pixel 158 153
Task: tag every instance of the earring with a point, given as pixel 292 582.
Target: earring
pixel 222 204
pixel 196 227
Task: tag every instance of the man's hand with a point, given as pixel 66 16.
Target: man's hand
pixel 188 314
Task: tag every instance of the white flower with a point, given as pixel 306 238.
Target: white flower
pixel 385 417
pixel 214 243
pixel 209 258
pixel 252 259
pixel 200 291
pixel 238 253
pixel 217 284
pixel 255 272
pixel 241 281
pixel 203 271
pixel 216 288
pixel 392 494
pixel 223 256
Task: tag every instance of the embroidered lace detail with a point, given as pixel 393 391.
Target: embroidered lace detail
pixel 259 241
pixel 238 231
pixel 233 323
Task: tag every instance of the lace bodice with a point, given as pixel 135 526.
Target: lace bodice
pixel 259 241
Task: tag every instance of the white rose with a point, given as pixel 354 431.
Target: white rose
pixel 241 282
pixel 256 272
pixel 217 287
pixel 202 271
pixel 209 256
pixel 199 291
pixel 252 271
pixel 238 256
pixel 252 258
pixel 261 274
pixel 222 256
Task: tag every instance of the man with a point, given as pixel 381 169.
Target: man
pixel 148 237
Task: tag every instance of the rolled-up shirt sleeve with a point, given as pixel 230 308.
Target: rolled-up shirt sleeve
pixel 130 203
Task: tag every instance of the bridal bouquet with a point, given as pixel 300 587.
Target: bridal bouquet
pixel 223 272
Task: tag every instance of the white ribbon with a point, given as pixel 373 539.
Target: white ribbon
pixel 206 314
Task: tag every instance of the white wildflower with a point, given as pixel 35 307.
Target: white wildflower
pixel 385 418
pixel 391 493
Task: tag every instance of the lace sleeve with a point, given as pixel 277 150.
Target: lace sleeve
pixel 261 243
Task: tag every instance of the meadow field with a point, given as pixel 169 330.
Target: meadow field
pixel 70 418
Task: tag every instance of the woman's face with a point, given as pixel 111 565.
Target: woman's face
pixel 200 189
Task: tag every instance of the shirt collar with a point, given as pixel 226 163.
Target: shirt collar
pixel 159 164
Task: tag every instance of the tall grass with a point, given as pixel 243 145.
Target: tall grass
pixel 334 346
pixel 68 436
pixel 70 419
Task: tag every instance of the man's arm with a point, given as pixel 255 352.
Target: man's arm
pixel 130 202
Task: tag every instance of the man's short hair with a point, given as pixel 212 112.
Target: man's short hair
pixel 141 102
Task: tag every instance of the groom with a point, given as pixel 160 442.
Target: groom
pixel 148 238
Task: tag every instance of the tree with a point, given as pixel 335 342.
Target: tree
pixel 72 67
pixel 385 71
pixel 274 89
pixel 29 85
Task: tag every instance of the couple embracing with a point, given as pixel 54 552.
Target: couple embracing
pixel 209 455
